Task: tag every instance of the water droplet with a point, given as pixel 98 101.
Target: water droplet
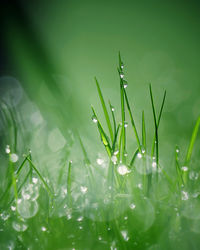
pixel 121 75
pixel 80 218
pixel 100 161
pixel 80 227
pixel 140 185
pixel 122 66
pixel 139 155
pixel 43 228
pixel 132 206
pixel 177 150
pixel 35 180
pixel 4 215
pixel 114 159
pixel 84 189
pixel 122 170
pixel 7 150
pixel 193 175
pixel 126 218
pixel 184 168
pixel 27 208
pixel 116 152
pixel 30 192
pixel 184 195
pixel 99 238
pixel 124 234
pixel 14 157
pixel 154 165
pixel 144 164
pixel 125 124
pixel 13 208
pixel 125 84
pixel 94 119
pixel 19 226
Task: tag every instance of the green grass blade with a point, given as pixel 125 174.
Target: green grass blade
pixel 113 117
pixel 104 137
pixel 158 123
pixel 192 141
pixel 134 157
pixel 155 123
pixel 104 110
pixel 115 139
pixel 40 176
pixel 86 158
pixel 123 134
pixel 132 122
pixel 178 169
pixel 143 132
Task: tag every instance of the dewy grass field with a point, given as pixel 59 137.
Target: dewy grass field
pixel 128 200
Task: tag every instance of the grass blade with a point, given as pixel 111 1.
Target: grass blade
pixel 114 120
pixel 40 176
pixel 69 184
pixel 143 132
pixel 104 110
pixel 115 139
pixel 158 123
pixel 192 141
pixel 156 127
pixel 132 122
pixel 134 156
pixel 104 137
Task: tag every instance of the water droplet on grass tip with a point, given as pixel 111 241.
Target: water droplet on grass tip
pixel 14 158
pixel 94 119
pixel 121 75
pixel 112 108
pixel 122 66
pixel 7 150
pixel 80 218
pixel 139 155
pixel 123 170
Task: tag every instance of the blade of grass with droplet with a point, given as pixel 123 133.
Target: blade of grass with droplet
pixel 41 178
pixel 190 148
pixel 178 169
pixel 155 124
pixel 104 110
pixel 159 117
pixel 143 132
pixel 114 120
pixel 86 158
pixel 115 139
pixel 104 137
pixel 132 122
pixel 134 157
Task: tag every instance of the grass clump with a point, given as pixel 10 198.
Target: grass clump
pixel 118 202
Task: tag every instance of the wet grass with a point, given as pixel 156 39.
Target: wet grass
pixel 118 202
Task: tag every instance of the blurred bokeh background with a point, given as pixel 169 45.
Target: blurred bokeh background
pixel 51 51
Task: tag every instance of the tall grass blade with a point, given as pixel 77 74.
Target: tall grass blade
pixel 113 117
pixel 104 110
pixel 104 137
pixel 69 183
pixel 132 122
pixel 134 157
pixel 143 132
pixel 40 176
pixel 158 123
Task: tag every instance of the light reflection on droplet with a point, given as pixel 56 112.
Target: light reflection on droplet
pixel 80 218
pixel 7 149
pixel 132 206
pixel 19 226
pixel 43 228
pixel 123 170
pixel 114 159
pixel 184 168
pixel 124 234
pixel 94 119
pixel 184 195
pixel 14 158
pixel 84 189
pixel 100 161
